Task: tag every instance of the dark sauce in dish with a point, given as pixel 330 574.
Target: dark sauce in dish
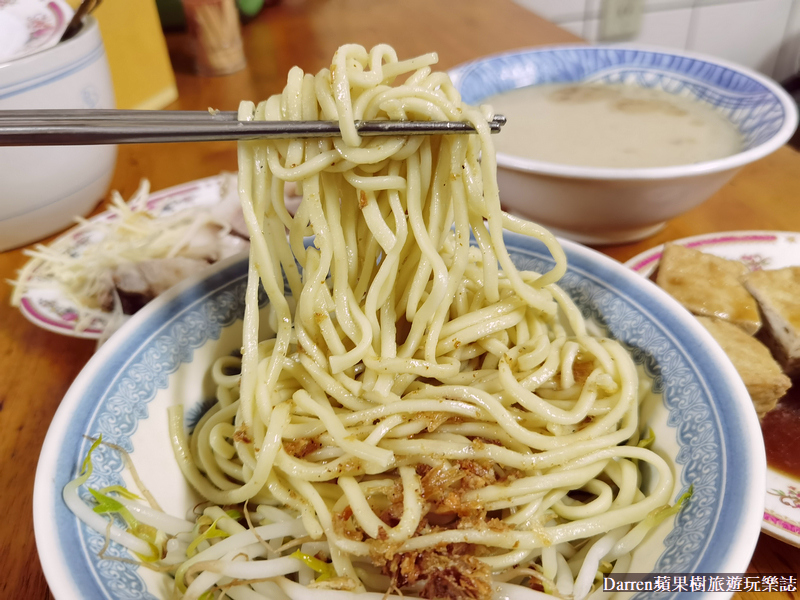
pixel 781 429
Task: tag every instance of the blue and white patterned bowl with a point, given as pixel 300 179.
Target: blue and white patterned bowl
pixel 594 204
pixel 704 422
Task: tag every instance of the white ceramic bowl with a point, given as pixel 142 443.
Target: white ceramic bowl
pixel 42 189
pixel 605 205
pixel 703 420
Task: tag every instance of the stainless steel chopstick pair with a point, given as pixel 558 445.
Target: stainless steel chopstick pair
pixel 82 127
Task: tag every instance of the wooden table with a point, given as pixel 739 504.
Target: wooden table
pixel 37 367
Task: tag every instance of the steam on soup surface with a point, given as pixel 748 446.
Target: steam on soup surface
pixel 611 125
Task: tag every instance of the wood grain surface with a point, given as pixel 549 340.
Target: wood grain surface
pixel 37 367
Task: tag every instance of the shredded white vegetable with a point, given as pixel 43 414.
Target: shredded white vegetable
pixel 89 264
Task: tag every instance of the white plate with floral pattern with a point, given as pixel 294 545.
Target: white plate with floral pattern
pixel 32 26
pixel 758 250
pixel 45 305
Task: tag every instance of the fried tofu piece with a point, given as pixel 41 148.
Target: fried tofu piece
pixel 762 376
pixel 708 286
pixel 778 294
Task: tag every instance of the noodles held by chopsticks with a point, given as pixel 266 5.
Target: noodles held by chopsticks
pixel 426 418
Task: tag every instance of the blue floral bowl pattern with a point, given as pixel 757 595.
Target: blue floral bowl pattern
pixel 702 418
pixel 754 104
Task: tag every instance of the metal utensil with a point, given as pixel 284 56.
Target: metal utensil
pixel 74 26
pixel 82 127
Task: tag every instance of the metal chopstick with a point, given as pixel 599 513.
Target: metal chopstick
pixel 81 127
pixel 98 114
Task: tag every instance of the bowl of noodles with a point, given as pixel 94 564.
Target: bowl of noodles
pixel 410 394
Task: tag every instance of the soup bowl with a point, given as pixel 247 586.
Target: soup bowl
pixel 598 205
pixel 43 188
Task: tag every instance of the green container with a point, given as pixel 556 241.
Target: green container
pixel 172 17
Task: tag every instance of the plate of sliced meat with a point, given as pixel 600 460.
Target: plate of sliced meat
pixel 89 280
pixel 744 287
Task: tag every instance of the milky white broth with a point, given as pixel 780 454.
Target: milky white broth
pixel 614 125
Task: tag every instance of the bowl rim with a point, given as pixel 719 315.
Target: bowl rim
pixel 734 161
